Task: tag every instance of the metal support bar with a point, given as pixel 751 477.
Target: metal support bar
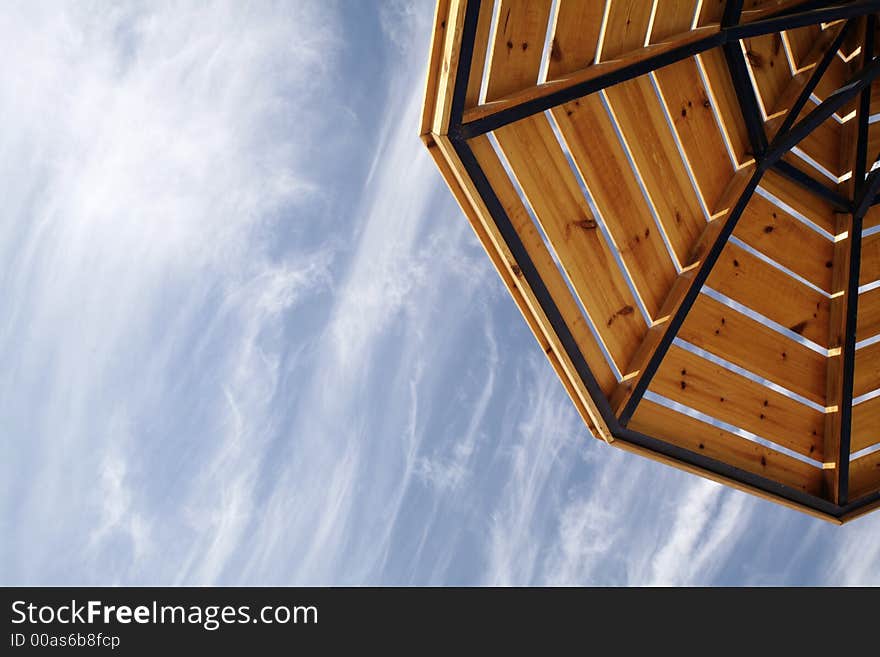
pixel 823 111
pixel 732 12
pixel 745 94
pixel 816 75
pixel 864 192
pixel 690 297
pixel 535 105
pixel 798 177
pixel 742 82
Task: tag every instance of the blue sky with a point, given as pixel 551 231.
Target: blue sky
pixel 247 336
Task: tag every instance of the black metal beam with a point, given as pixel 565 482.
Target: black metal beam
pixel 864 192
pixel 732 12
pixel 742 82
pixel 731 34
pixel 647 374
pixel 822 112
pixel 745 94
pixel 798 177
pixel 815 76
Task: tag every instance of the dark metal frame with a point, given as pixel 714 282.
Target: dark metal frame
pixel 766 155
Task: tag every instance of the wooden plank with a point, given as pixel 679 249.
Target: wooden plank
pixel 801 42
pixel 813 207
pixel 451 31
pixel 435 59
pixel 767 60
pixel 552 190
pixel 575 36
pixel 478 60
pixel 872 217
pixel 869 314
pixel 775 233
pixel 870 271
pixel 771 293
pixel 711 389
pixel 626 27
pixel 700 437
pixel 711 12
pixel 517 48
pixel 737 338
pixel 724 97
pixel 865 424
pixel 823 146
pixel 586 74
pixel 864 476
pixel 690 107
pixel 637 110
pixel 591 139
pixel 543 260
pixel 867 370
pixel 754 10
pixel 672 17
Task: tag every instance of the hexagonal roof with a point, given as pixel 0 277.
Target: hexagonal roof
pixel 679 195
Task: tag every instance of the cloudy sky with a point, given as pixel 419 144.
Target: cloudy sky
pixel 247 337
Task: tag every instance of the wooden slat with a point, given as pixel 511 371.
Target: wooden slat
pixel 754 10
pixel 872 217
pixel 626 27
pixel 771 293
pixel 554 194
pixel 543 260
pixel 575 36
pixel 867 369
pixel 690 108
pixel 672 17
pixel 685 431
pixel 802 42
pixel 711 389
pixel 597 152
pixel 478 60
pixel 517 49
pixel 711 12
pixel 724 97
pixel 814 208
pixel 869 314
pixel 440 53
pixel 638 112
pixel 737 338
pixel 586 74
pixel 823 146
pixel 778 235
pixel 865 424
pixel 769 65
pixel 864 475
pixel 870 271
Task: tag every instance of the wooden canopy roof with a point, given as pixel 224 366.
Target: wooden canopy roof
pixel 679 195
